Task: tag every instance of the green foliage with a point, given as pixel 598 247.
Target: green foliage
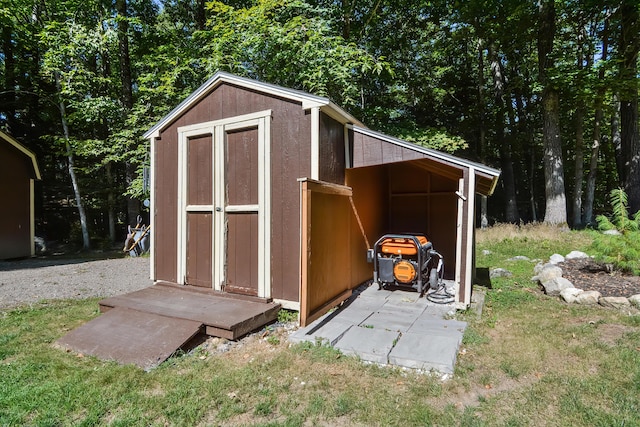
pixel 621 251
pixel 437 139
pixel 287 42
pixel 620 214
pixel 286 316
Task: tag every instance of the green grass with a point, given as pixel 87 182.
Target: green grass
pixel 530 360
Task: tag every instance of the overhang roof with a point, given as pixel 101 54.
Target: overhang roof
pixel 307 100
pixel 487 174
pixel 24 150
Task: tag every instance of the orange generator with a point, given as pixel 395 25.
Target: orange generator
pixel 407 260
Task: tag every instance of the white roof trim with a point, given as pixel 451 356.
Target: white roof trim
pixel 307 100
pixel 430 152
pixel 25 151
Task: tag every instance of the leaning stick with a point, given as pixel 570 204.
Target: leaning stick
pixel 144 233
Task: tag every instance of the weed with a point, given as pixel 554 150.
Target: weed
pixel 287 316
pixel 473 337
pixel 273 340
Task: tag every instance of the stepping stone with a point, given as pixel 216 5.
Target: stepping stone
pixel 372 345
pixel 419 351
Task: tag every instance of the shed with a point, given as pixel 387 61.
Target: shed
pixel 275 194
pixel 18 171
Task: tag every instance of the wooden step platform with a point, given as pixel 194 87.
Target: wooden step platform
pixel 222 315
pixel 147 326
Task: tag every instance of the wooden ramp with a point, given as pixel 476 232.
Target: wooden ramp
pixel 146 327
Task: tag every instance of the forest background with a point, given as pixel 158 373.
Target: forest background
pixel 546 91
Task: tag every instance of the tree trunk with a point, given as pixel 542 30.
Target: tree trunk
pixel 201 19
pixel 133 205
pixel 86 242
pixel 125 59
pixel 9 78
pixel 482 132
pixel 508 178
pixel 593 166
pixel 111 203
pixel 616 139
pixel 556 203
pixel 630 143
pixel 595 146
pixel 578 176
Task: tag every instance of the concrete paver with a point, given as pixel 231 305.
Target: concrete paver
pixel 330 332
pixel 369 344
pixel 422 351
pixel 393 320
pixel 391 327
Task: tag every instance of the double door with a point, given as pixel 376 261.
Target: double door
pixel 224 210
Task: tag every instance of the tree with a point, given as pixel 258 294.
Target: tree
pixel 628 48
pixel 556 206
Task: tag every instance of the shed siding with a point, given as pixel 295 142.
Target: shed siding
pixel 15 193
pixel 332 160
pixel 290 160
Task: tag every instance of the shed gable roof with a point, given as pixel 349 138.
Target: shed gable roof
pixel 488 175
pixel 24 150
pixel 306 99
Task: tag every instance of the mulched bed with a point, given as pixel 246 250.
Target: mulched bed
pixel 589 275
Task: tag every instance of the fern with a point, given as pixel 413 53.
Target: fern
pixel 619 203
pixel 619 214
pixel 621 251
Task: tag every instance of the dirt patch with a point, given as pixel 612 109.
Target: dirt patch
pixel 589 275
pixel 32 280
pixel 610 334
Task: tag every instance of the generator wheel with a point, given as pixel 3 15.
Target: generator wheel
pixel 433 279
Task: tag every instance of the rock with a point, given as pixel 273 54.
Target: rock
pixel 555 285
pixel 612 232
pixel 538 268
pixel 486 252
pixel 499 272
pixel 548 272
pixel 556 259
pixel 569 294
pixel 614 302
pixel 635 300
pixel 576 255
pixel 588 298
pixel 519 258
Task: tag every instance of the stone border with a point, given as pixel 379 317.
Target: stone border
pixel 549 276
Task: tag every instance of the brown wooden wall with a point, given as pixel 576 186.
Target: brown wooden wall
pixel 291 154
pixel 424 202
pixel 370 188
pixel 326 278
pixel 369 151
pixel 15 192
pixel 332 159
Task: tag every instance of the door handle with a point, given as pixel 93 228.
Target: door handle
pixel 218 209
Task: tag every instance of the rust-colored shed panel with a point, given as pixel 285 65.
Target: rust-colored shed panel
pixel 165 221
pixel 332 150
pixel 18 170
pixel 199 189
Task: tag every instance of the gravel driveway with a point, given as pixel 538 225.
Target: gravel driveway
pixel 31 280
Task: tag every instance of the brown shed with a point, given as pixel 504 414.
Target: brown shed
pixel 264 191
pixel 18 171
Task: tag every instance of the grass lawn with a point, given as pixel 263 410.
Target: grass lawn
pixel 529 360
